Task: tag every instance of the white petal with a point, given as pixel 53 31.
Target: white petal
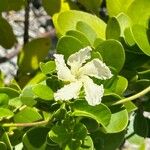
pixel 63 71
pixel 68 91
pixel 76 60
pixel 96 68
pixel 93 92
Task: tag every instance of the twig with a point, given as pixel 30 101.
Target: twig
pixel 26 22
pixel 25 124
pixel 145 91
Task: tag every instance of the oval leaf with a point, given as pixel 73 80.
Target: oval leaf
pixel 43 92
pixel 100 113
pixel 112 53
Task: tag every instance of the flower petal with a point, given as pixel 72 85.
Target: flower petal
pixel 93 92
pixel 97 69
pixel 63 71
pixel 68 91
pixel 76 60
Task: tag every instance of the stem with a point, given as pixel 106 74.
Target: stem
pixel 25 124
pixel 145 91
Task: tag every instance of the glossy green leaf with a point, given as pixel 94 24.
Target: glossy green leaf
pixel 124 22
pixel 111 141
pixel 48 67
pixel 59 134
pixel 35 138
pixel 129 39
pixel 5 113
pixel 87 30
pixel 68 45
pixel 43 91
pixel 79 131
pixel 139 12
pixel 115 7
pixel 112 53
pixel 92 6
pixel 80 36
pixel 118 121
pixel 9 91
pixel 27 115
pixel 113 30
pixel 67 21
pixel 8 5
pixel 142 38
pixel 100 113
pixel 7 38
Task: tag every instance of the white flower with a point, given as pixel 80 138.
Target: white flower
pixel 79 75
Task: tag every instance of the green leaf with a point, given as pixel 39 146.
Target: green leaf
pixel 118 121
pixel 79 35
pixel 27 115
pixel 43 91
pixel 112 53
pixel 48 67
pixel 59 134
pixel 15 102
pixel 27 96
pixel 9 91
pixel 3 146
pixel 87 30
pixel 103 141
pixel 119 85
pixel 79 131
pixel 113 30
pixel 141 36
pixel 7 38
pixel 35 138
pixel 32 54
pixel 130 106
pixel 93 5
pixel 128 36
pixel 68 45
pixel 87 144
pixel 100 113
pixel 9 5
pixel 124 22
pixel 52 6
pixel 134 13
pixel 67 21
pixel 4 100
pixel 115 7
pixel 5 113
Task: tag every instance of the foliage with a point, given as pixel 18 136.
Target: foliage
pixel 29 114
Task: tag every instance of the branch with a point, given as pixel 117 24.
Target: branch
pixel 145 91
pixel 25 124
pixel 26 22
